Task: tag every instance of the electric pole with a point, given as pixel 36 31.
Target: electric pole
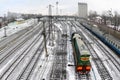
pixel 50 24
pixel 44 34
pixel 5 24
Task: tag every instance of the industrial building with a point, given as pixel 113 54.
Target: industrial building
pixel 82 10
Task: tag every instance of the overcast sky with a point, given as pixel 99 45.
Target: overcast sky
pixel 66 6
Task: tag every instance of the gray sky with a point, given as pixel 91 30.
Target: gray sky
pixel 66 6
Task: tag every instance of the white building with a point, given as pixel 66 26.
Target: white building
pixel 1 19
pixel 82 10
pixel 13 15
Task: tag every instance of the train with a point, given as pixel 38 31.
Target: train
pixel 81 54
pixel 111 44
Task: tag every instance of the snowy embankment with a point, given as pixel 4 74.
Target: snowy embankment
pixel 113 27
pixel 15 27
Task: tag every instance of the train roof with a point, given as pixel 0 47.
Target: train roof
pixel 76 35
pixel 109 37
pixel 81 46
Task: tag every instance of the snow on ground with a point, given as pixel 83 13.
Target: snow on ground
pixel 44 67
pixel 112 26
pixel 119 28
pixel 58 26
pixel 70 69
pixel 93 73
pixel 111 69
pixel 6 65
pixel 49 65
pixel 21 66
pixel 108 64
pixel 15 27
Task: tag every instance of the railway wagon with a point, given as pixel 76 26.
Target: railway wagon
pixel 102 38
pixel 81 54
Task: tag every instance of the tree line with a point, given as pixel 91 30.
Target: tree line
pixel 107 16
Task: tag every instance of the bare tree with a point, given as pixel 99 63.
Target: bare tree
pixel 92 15
pixel 104 17
pixel 116 20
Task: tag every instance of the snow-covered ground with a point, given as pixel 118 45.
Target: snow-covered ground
pixel 108 64
pixel 70 59
pixel 44 67
pixel 71 74
pixel 112 26
pixel 15 27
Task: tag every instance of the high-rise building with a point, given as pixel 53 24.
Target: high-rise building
pixel 82 10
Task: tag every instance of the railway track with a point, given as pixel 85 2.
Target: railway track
pixel 107 52
pixel 58 71
pixel 27 71
pixel 82 77
pixel 105 75
pixel 102 70
pixel 17 60
pixel 16 64
pixel 43 69
pixel 109 55
pixel 10 40
pixel 4 54
pixel 78 75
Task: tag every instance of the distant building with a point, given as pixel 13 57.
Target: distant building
pixel 1 20
pixel 82 10
pixel 13 15
pixel 20 20
pixel 98 19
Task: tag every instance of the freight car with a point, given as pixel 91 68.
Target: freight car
pixel 114 47
pixel 81 54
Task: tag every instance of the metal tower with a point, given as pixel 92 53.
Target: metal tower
pixel 56 8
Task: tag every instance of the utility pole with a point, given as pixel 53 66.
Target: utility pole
pixel 110 14
pixel 5 35
pixel 50 24
pixel 44 34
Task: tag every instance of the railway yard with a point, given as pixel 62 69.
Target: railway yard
pixel 23 54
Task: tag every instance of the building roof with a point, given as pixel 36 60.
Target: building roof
pixel 20 19
pixel 82 3
pixel 81 46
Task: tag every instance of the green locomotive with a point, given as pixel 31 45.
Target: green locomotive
pixel 81 54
